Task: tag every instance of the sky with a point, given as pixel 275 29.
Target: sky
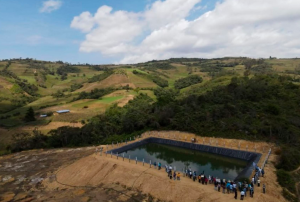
pixel 133 31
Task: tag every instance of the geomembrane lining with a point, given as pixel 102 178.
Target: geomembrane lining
pixel 248 156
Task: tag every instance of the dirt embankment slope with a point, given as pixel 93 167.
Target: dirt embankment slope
pixel 95 170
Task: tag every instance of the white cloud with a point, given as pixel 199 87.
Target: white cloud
pixel 251 28
pixel 162 13
pixel 50 5
pixel 84 22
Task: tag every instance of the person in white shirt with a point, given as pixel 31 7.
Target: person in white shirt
pixel 242 195
pixel 234 187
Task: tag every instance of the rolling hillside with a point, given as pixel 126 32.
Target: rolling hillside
pixel 51 86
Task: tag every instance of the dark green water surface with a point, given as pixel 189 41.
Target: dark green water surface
pixel 214 165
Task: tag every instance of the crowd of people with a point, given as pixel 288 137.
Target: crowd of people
pixel 220 185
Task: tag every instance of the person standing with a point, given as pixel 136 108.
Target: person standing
pixel 264 188
pixel 174 175
pixel 258 182
pixel 251 192
pixel 262 172
pixel 245 191
pixel 234 186
pixel 224 188
pixel 178 176
pixel 242 195
pixel 219 187
pixel 235 194
pixel 194 177
pixel 170 174
pixel 159 165
pixel 228 187
pixel 170 168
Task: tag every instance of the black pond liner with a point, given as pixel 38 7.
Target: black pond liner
pixel 248 156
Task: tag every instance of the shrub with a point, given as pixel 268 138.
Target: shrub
pixel 188 81
pixel 49 113
pixel 277 151
pixel 17 114
pixel 100 77
pixel 285 180
pixel 289 196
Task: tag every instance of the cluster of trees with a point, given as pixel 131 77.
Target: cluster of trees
pixel 188 81
pixel 263 68
pixel 159 81
pixel 180 60
pixel 31 89
pixel 94 94
pixel 210 68
pixel 67 69
pixel 101 77
pixel 64 70
pixel 163 66
pixel 6 73
pixel 75 86
pixel 58 94
pixel 159 65
pixel 98 68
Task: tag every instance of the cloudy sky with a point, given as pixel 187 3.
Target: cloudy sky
pixel 131 31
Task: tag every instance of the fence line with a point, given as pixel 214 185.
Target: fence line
pixel 266 159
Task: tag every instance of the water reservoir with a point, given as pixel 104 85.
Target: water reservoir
pixel 224 163
pixel 181 158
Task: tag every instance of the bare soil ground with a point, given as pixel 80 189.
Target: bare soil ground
pixel 83 175
pixel 50 126
pixel 125 100
pixel 115 80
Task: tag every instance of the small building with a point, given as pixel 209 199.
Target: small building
pixel 43 115
pixel 63 111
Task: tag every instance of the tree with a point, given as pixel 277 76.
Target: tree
pixel 127 87
pixel 137 90
pixel 165 95
pixel 249 63
pixel 29 115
